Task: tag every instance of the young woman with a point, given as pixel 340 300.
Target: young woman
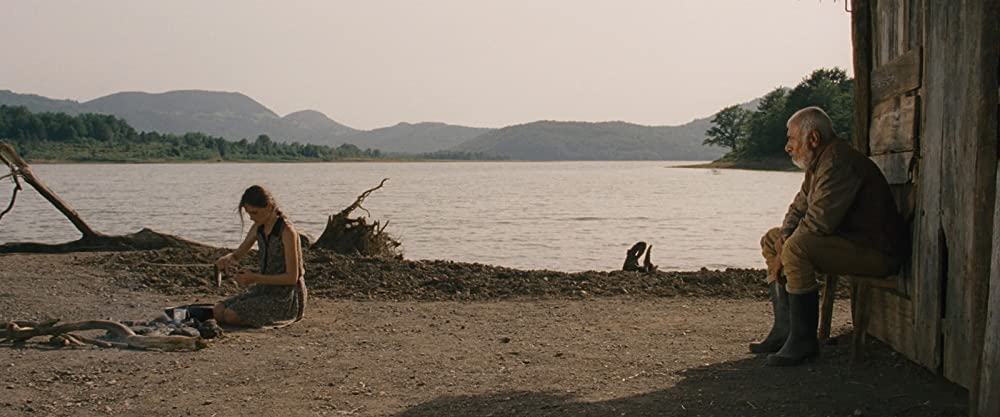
pixel 277 293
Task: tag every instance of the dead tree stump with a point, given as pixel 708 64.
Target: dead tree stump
pixel 632 256
pixel 354 236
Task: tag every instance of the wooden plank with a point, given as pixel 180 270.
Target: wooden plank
pixel 895 166
pixel 906 201
pixel 826 307
pixel 896 77
pixel 891 321
pixel 989 381
pixel 889 31
pixel 861 39
pixel 927 261
pixel 960 70
pixel 914 25
pixel 893 126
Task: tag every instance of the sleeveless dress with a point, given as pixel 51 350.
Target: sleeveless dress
pixel 269 305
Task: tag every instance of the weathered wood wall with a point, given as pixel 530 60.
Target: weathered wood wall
pixel 961 76
pixel 931 123
pixel 893 143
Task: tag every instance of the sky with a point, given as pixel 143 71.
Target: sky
pixel 484 63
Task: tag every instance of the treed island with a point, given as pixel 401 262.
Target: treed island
pixel 755 133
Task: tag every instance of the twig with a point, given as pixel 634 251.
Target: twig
pixel 17 185
pixel 861 383
pixel 361 198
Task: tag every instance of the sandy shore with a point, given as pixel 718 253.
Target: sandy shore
pixel 442 339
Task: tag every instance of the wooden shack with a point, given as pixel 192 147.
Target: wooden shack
pixel 926 110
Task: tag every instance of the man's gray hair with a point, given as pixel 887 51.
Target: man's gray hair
pixel 813 118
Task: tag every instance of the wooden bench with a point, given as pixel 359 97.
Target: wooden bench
pixel 861 290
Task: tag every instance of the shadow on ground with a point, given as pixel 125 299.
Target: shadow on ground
pixel 884 384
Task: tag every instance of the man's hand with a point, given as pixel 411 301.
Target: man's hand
pixel 778 246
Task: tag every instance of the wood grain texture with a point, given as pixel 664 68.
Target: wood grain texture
pixel 861 38
pixel 896 77
pixel 959 72
pixel 895 166
pixel 893 126
pixel 989 380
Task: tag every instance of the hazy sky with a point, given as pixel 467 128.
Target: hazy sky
pixel 372 63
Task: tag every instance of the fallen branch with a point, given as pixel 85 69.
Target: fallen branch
pixel 91 240
pixel 124 336
pixel 17 184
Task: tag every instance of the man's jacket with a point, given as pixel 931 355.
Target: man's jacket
pixel 845 194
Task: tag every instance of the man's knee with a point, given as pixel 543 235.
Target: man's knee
pixel 767 241
pixel 218 312
pixel 800 247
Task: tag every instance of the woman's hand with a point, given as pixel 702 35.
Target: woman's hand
pixel 245 278
pixel 226 261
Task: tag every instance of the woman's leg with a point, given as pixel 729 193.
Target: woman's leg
pixel 225 315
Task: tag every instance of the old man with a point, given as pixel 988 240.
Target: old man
pixel 842 221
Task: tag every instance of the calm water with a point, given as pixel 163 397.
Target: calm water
pixel 568 216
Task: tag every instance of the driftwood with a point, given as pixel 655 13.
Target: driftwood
pixel 91 240
pixel 632 256
pixel 354 236
pixel 124 337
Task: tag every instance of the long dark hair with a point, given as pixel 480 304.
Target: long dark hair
pixel 260 197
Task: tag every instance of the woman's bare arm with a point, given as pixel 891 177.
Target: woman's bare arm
pixel 248 242
pixel 233 258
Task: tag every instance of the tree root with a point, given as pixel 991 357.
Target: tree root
pixel 632 258
pixel 355 236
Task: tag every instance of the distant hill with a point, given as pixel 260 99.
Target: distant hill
pixel 414 138
pixel 235 116
pixel 39 104
pixel 232 116
pixel 552 140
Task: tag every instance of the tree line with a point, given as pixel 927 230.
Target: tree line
pixel 760 133
pixel 106 138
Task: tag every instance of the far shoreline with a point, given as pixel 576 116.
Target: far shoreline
pixel 779 164
pixel 384 160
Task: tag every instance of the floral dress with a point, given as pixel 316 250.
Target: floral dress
pixel 266 305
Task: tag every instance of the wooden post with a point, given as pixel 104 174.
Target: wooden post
pixel 25 171
pixel 861 38
pixel 826 311
pixel 989 379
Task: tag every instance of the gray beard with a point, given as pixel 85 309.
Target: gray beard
pixel 807 157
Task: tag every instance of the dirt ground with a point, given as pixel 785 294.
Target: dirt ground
pixel 656 348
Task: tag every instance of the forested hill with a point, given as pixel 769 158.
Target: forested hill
pixel 553 140
pixel 105 138
pixel 231 116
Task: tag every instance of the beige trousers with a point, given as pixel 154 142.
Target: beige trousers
pixel 805 254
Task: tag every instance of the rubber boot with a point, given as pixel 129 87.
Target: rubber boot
pixel 779 330
pixel 802 345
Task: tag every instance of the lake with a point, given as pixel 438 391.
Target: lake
pixel 567 216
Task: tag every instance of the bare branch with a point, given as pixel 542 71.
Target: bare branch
pixel 13 197
pixel 361 198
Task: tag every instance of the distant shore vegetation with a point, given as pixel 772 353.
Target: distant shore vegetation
pixel 756 138
pixel 89 137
